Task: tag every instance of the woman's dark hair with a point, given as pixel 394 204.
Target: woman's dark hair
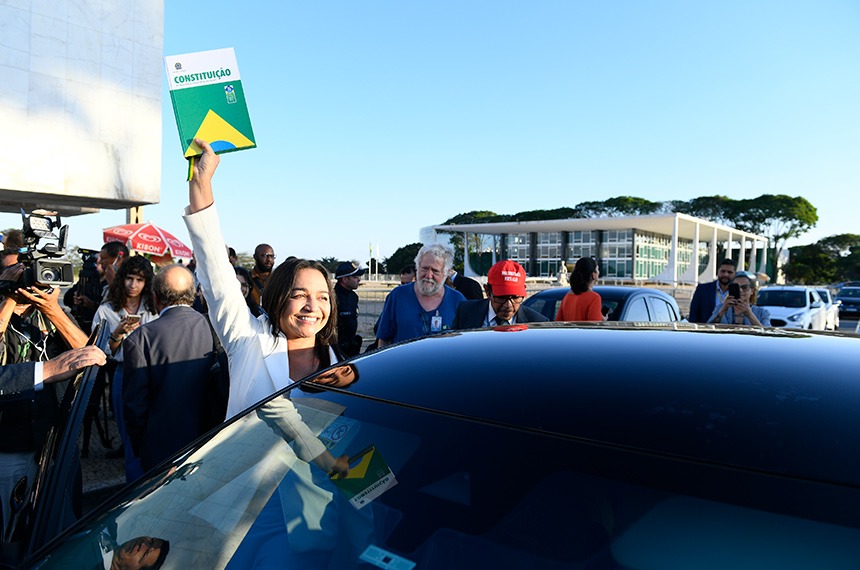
pixel 580 277
pixel 137 265
pixel 249 300
pixel 277 295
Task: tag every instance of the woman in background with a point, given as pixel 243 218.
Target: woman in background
pixel 129 304
pixel 582 303
pixel 244 277
pixel 741 310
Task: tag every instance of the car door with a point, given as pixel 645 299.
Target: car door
pixel 818 312
pixel 661 311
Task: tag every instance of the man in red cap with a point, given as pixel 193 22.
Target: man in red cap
pixel 506 289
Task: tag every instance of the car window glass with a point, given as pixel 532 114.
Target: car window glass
pixel 662 311
pixel 544 305
pixel 636 310
pixel 420 493
pixel 778 298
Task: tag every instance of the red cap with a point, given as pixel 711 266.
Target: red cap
pixel 507 278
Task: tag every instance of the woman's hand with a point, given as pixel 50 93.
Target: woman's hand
pixel 743 308
pixel 200 186
pixel 125 326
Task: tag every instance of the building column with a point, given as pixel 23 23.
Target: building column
pixel 710 272
pixel 134 215
pixel 754 256
pixel 534 266
pixel 674 252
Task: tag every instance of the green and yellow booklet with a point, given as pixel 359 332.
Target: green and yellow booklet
pixel 369 476
pixel 209 101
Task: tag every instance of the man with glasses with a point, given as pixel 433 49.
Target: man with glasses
pixel 424 307
pixel 506 289
pixel 264 261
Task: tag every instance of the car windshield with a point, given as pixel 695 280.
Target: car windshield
pixel 853 292
pixel 420 494
pixel 781 298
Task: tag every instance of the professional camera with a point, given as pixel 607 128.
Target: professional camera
pixel 43 254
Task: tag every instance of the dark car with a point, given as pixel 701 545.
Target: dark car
pixel 537 446
pixel 621 303
pixel 850 298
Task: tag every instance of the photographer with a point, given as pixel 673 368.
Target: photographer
pixel 739 308
pixel 33 329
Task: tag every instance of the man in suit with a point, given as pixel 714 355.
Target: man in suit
pixel 170 394
pixel 470 288
pixel 506 289
pixel 709 295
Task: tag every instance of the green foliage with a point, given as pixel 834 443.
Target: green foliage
pixel 829 260
pixel 779 217
pixel 718 209
pixel 330 263
pixel 401 257
pixel 554 214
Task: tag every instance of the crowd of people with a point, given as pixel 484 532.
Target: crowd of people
pixel 189 349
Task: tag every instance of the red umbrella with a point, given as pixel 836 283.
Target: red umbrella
pixel 147 238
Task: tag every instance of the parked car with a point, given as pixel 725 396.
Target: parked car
pixel 544 446
pixel 849 297
pixel 623 303
pixel 793 307
pixel 831 308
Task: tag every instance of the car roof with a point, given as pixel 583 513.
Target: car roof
pixel 788 288
pixel 689 391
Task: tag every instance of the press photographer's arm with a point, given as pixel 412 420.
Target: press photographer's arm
pixel 46 301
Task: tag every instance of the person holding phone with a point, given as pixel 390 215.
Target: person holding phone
pixel 739 307
pixel 129 305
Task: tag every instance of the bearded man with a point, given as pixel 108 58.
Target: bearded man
pixel 424 307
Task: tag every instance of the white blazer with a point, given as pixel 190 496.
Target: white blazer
pixel 259 363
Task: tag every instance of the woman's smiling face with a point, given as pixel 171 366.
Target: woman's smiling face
pixel 308 308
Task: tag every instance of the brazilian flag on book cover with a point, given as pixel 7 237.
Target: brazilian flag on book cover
pixel 209 101
pixel 369 476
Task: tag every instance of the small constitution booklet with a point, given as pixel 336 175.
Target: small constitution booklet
pixel 209 101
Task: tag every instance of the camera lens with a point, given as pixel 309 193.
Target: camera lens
pixel 50 275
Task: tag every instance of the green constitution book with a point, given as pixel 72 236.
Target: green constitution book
pixel 209 101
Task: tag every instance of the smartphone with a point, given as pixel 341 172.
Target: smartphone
pixel 735 290
pixel 133 318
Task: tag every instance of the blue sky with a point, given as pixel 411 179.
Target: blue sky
pixel 376 118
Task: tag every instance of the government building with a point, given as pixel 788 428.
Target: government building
pixel 657 248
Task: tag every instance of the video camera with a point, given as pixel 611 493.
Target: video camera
pixel 43 254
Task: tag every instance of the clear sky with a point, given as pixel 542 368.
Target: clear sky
pixel 376 118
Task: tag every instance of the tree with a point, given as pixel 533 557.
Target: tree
pixel 831 259
pixel 718 209
pixel 618 206
pixel 779 217
pixel 330 263
pixel 402 257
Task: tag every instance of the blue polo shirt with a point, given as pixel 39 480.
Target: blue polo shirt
pixel 403 317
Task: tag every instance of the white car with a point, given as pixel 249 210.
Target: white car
pixel 831 307
pixel 793 307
